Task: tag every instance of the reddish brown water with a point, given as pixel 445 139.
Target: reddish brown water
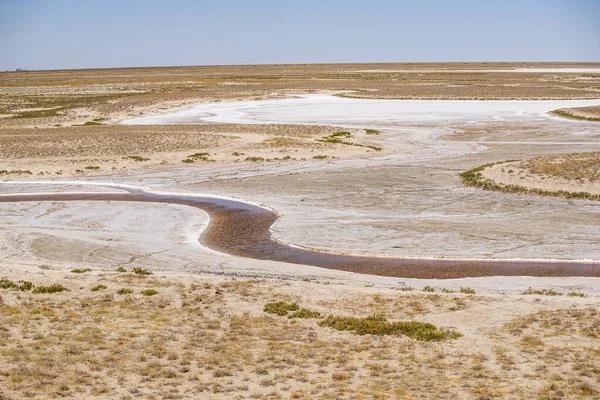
pixel 241 229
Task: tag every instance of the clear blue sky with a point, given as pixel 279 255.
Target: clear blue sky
pixel 52 34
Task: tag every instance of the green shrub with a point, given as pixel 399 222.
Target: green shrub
pixel 575 294
pixel 406 288
pixel 467 290
pixel 199 155
pixel 340 134
pixel 305 313
pixel 280 308
pixel 98 287
pixel 22 285
pixel 15 172
pixel 378 325
pixel 25 285
pixel 80 270
pixel 475 178
pixel 54 288
pixel 429 289
pixel 91 123
pixel 255 159
pixel 92 167
pixel 320 157
pixel 124 291
pixel 374 148
pixel 45 266
pixel 141 271
pixel 566 114
pixel 137 158
pixel 121 269
pixel 6 284
pixel 149 292
pixel 542 292
pixel 372 132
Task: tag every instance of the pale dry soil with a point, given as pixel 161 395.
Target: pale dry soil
pixel 207 336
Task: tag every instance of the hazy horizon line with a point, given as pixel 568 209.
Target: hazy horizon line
pixel 290 64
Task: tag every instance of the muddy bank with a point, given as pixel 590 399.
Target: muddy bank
pixel 243 229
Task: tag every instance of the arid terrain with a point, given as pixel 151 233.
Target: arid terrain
pixel 361 159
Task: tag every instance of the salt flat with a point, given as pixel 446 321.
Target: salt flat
pixel 328 109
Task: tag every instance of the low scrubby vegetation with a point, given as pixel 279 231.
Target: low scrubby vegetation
pixel 378 325
pixel 137 158
pixel 80 270
pixel 566 113
pixel 338 138
pixel 475 178
pixel 255 159
pixel 371 325
pixel 20 285
pixel 54 288
pixel 197 157
pixel 542 292
pixel 141 271
pixel 15 172
pixel 99 287
pixel 305 313
pixel 280 308
pixel 467 290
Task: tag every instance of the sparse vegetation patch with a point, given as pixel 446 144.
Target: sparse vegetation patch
pixel 475 178
pixel 141 271
pixel 98 287
pixel 137 158
pixel 80 270
pixel 280 308
pixel 54 288
pixel 377 325
pixel 571 114
pixel 542 292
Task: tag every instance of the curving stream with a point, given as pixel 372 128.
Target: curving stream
pixel 243 229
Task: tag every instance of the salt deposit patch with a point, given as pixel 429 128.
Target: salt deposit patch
pixel 325 109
